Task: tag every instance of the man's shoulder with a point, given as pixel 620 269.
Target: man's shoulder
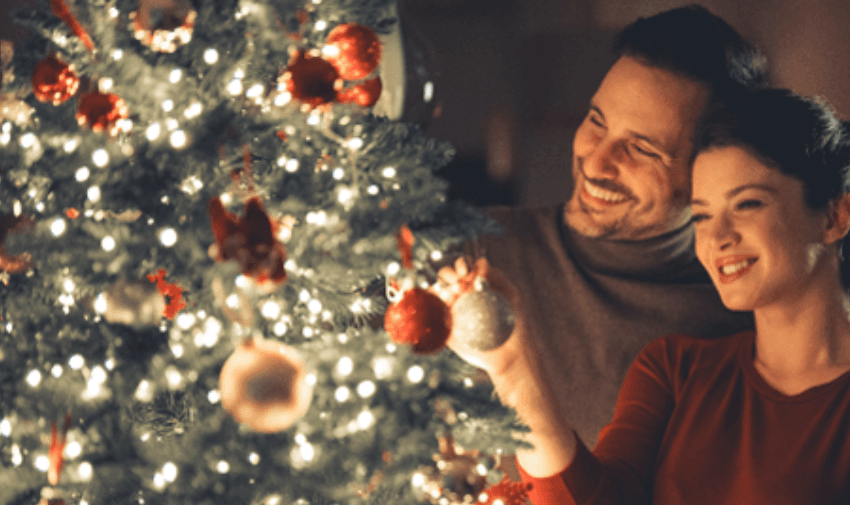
pixel 519 220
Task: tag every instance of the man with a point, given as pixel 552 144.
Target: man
pixel 612 269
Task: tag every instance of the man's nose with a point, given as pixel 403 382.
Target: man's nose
pixel 605 160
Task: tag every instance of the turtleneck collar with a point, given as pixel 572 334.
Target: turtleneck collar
pixel 664 258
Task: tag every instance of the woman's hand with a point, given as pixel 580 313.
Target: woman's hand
pixel 454 282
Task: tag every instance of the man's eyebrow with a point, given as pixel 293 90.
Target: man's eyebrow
pixel 732 192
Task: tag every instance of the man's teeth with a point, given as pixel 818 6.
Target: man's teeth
pixel 602 194
pixel 735 267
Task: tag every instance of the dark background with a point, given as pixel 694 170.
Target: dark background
pixel 513 77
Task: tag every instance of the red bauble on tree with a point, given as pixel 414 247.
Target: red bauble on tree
pixel 505 492
pixel 356 50
pixel 54 81
pixel 164 25
pixel 310 79
pixel 365 94
pixel 264 385
pixel 102 112
pixel 420 319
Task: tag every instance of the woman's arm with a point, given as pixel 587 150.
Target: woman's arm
pixel 560 467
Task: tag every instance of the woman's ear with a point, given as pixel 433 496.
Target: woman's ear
pixel 839 219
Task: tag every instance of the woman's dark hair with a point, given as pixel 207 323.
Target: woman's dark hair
pixel 692 42
pixel 799 136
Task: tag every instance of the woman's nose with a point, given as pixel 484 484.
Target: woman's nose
pixel 724 233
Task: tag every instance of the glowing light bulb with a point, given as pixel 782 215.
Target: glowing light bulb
pixel 153 131
pixel 210 56
pixel 34 378
pixel 27 140
pixel 100 158
pixel 194 110
pixel 388 172
pixel 93 194
pixel 344 366
pixel 57 227
pixel 415 374
pixel 168 237
pixel 107 243
pixel 372 189
pixel 354 143
pixel 366 389
pixel 82 174
pixel 168 105
pixel 76 362
pixel 70 145
pixel 234 87
pixel 222 466
pixel 270 310
pixel 105 84
pixel 292 165
pixel 342 394
pixel 117 54
pixel 428 92
pixel 178 139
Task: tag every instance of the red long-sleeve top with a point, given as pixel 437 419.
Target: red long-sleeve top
pixel 696 424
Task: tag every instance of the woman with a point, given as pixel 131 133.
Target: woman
pixel 755 418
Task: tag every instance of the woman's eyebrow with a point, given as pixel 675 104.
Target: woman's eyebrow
pixel 732 192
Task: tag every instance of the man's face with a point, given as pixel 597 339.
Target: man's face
pixel 631 153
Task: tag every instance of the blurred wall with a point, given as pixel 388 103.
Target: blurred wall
pixel 539 63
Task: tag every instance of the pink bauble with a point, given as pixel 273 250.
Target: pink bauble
pixel 264 386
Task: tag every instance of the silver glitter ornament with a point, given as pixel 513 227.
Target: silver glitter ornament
pixel 483 319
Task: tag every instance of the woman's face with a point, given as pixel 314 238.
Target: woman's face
pixel 755 235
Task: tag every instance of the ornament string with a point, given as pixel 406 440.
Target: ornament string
pixel 61 10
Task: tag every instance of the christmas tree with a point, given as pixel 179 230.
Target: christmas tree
pixel 202 223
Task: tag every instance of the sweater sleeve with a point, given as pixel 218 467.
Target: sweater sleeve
pixel 620 469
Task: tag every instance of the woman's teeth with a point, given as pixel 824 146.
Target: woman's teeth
pixel 736 267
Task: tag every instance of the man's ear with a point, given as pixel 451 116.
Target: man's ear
pixel 839 219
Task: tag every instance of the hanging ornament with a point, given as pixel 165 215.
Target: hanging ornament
pixel 354 50
pixel 54 81
pixel 482 319
pixel 420 319
pixel 249 240
pixel 134 303
pixel 264 385
pixel 505 492
pixel 14 263
pixel 457 478
pixel 164 25
pixel 61 10
pixel 173 291
pixel 365 94
pixel 310 79
pixel 102 112
pixel 56 455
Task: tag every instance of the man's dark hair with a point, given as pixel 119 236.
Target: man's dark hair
pixel 694 43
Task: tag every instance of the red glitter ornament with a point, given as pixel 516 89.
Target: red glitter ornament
pixel 164 25
pixel 365 94
pixel 310 79
pixel 249 239
pixel 54 81
pixel 420 319
pixel 264 385
pixel 356 50
pixel 102 112
pixel 507 492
